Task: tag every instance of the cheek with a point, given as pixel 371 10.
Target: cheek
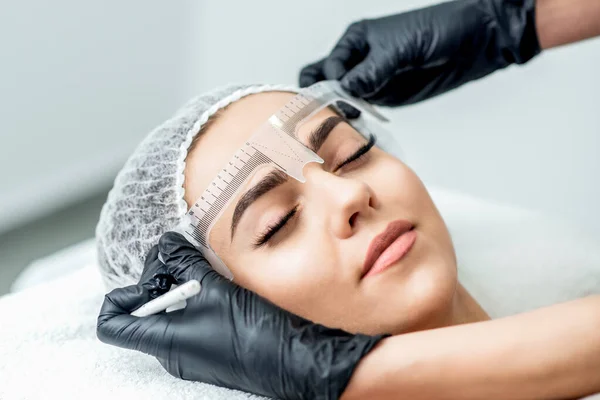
pixel 398 186
pixel 415 199
pixel 297 276
pixel 395 184
pixel 429 289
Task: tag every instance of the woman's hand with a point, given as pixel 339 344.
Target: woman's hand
pixel 227 335
pixel 409 57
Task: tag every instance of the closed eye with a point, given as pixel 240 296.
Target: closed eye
pixel 272 230
pixel 358 154
pixel 264 237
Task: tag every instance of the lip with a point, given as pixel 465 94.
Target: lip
pixel 388 247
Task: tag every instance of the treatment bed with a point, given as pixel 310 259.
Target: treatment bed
pixel 510 259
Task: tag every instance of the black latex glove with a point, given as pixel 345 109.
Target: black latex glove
pixel 409 57
pixel 229 336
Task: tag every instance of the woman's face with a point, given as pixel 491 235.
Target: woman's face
pixel 303 245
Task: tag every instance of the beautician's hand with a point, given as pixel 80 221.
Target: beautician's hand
pixel 229 336
pixel 409 57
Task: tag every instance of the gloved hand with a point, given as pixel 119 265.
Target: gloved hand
pixel 409 57
pixel 227 335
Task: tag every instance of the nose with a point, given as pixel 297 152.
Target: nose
pixel 343 202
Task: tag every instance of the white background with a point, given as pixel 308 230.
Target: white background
pixel 81 83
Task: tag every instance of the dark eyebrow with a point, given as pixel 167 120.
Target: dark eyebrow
pixel 277 177
pixel 318 136
pixel 269 182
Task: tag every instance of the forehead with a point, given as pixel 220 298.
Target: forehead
pixel 228 133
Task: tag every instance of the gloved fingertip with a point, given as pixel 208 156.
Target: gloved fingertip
pixel 311 74
pixel 352 85
pixel 115 325
pixel 170 242
pixel 305 81
pixel 334 69
pixel 152 253
pixel 124 300
pixel 348 111
pixel 182 260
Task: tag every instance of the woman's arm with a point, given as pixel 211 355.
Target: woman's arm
pixel 550 353
pixel 560 22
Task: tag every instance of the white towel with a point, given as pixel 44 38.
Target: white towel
pixel 49 350
pixel 511 260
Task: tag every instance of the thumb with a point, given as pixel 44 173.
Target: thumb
pixel 370 76
pixel 350 50
pixel 183 261
pixel 115 325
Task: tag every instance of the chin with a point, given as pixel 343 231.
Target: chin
pixel 431 301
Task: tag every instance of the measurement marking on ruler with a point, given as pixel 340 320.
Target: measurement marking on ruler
pixel 286 121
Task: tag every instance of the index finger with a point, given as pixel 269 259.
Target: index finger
pixel 116 327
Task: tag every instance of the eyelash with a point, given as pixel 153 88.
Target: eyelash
pixel 363 150
pixel 273 229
